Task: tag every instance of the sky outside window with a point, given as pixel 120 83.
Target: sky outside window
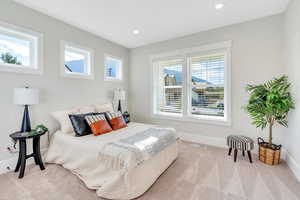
pixel 16 47
pixel 74 62
pixel 111 68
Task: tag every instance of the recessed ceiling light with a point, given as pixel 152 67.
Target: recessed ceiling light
pixel 219 6
pixel 135 32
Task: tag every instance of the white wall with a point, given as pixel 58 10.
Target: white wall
pixel 256 57
pixel 56 92
pixel 292 65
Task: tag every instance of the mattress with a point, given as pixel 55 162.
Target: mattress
pixel 80 155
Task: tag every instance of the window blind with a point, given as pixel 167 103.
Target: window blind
pixel 207 81
pixel 169 91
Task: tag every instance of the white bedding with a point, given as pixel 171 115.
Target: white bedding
pixel 81 156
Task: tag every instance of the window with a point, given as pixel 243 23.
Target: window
pixel 207 81
pixel 169 93
pixel 77 61
pixel 193 84
pixel 20 50
pixel 113 68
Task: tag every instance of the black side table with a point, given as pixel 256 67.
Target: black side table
pixel 22 137
pixel 126 117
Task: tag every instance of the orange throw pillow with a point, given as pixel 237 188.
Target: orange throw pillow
pixel 117 123
pixel 98 124
pixel 116 120
pixel 100 127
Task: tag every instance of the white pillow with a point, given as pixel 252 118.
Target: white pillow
pixel 104 107
pixel 62 117
pixel 86 109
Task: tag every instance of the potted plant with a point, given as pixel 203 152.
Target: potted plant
pixel 269 103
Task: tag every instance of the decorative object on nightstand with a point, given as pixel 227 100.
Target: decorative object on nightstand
pixel 126 117
pixel 242 143
pixel 22 137
pixel 25 97
pixel 119 96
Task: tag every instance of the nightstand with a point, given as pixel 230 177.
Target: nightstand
pixel 126 117
pixel 22 137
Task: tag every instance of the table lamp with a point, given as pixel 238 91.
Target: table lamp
pixel 119 95
pixel 25 97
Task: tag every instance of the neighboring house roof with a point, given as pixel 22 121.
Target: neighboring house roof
pixel 76 65
pixel 178 76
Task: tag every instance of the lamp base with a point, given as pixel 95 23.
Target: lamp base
pixel 26 127
pixel 120 106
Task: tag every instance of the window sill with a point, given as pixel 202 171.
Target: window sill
pixel 112 79
pixel 80 76
pixel 20 69
pixel 193 119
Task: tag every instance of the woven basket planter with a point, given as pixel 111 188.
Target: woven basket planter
pixel 268 155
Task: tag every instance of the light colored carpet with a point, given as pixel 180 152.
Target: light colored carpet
pixel 199 173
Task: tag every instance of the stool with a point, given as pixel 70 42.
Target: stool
pixel 242 143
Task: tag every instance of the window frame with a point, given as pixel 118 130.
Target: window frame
pixel 187 54
pixel 155 80
pixel 89 60
pixel 120 70
pixel 36 49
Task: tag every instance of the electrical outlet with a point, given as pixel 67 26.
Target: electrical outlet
pixel 10 148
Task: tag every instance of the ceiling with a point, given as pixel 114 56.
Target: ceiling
pixel 157 20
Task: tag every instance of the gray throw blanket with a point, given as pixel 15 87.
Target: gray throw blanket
pixel 130 152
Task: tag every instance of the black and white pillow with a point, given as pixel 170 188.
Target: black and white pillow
pixel 116 120
pixel 94 118
pixel 112 115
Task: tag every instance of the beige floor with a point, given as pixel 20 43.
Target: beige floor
pixel 200 172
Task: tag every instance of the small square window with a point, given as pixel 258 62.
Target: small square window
pixel 77 61
pixel 20 50
pixel 113 68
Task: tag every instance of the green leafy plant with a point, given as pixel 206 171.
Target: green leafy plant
pixel 269 103
pixel 38 129
pixel 10 59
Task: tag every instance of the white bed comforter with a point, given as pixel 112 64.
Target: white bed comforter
pixel 83 156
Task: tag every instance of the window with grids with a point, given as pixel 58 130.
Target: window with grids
pixel 169 86
pixel 193 84
pixel 207 85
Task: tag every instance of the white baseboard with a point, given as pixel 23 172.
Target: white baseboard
pixel 216 141
pixel 9 165
pixel 221 142
pixel 293 165
pixel 212 141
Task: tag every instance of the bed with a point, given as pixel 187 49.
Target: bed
pixel 88 156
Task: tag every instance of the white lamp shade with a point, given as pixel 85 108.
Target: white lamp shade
pixel 120 95
pixel 26 96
